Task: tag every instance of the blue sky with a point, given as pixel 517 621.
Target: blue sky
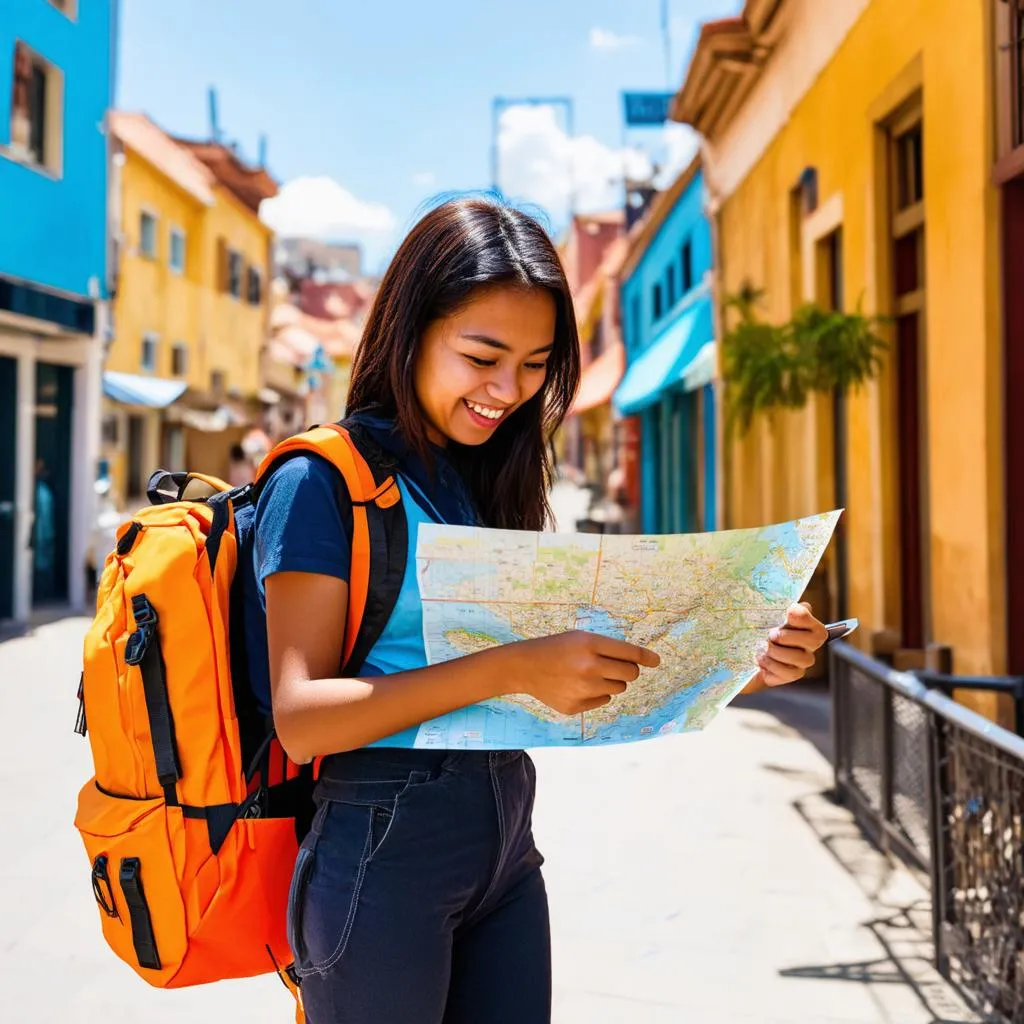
pixel 372 107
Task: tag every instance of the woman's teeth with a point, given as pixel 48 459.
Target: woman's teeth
pixel 482 410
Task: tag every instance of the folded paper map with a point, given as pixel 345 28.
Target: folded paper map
pixel 705 602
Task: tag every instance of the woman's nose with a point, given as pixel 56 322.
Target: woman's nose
pixel 504 388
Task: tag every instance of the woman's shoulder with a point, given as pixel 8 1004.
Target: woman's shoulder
pixel 304 478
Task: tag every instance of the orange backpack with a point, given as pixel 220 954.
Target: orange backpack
pixel 192 820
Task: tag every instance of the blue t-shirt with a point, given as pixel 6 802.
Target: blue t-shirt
pixel 301 526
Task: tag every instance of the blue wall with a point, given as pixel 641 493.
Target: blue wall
pixel 686 222
pixel 53 233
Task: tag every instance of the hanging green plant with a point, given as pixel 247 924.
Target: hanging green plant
pixel 768 367
pixel 842 350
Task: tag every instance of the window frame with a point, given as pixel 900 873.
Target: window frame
pixel 657 303
pixel 1008 74
pixel 687 277
pixel 232 282
pixel 69 8
pixel 253 274
pixel 150 338
pixel 174 233
pixel 179 353
pixel 48 160
pixel 145 254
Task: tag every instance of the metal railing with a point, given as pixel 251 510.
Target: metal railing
pixel 944 788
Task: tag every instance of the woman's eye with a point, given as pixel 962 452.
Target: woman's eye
pixel 536 366
pixel 476 361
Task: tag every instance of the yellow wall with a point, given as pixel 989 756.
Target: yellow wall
pixel 234 331
pixel 150 296
pixel 940 46
pixel 222 332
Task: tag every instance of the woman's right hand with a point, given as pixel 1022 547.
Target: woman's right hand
pixel 578 671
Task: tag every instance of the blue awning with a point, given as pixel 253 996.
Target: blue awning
pixel 666 362
pixel 134 389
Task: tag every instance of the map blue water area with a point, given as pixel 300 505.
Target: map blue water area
pixel 593 619
pixel 771 576
pixel 500 725
pixel 496 725
pixel 442 619
pixel 669 718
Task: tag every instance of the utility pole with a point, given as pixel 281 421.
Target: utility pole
pixel 666 38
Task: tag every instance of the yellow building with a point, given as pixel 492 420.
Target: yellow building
pixel 191 312
pixel 848 150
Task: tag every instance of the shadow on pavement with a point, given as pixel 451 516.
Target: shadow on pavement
pixel 804 708
pixel 40 617
pixel 903 920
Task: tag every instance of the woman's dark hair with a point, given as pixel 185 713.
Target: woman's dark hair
pixel 459 247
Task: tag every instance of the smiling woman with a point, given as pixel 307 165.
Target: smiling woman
pixel 472 344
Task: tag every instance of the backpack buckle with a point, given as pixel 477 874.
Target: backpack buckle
pixel 146 622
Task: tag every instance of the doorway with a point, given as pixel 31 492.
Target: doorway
pixel 8 477
pixel 907 241
pixel 51 494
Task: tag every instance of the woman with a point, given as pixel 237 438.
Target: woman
pixel 417 896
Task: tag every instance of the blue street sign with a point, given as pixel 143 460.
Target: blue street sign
pixel 647 108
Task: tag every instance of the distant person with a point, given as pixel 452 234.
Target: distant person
pixel 240 468
pixel 418 896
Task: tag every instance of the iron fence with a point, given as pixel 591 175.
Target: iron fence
pixel 944 788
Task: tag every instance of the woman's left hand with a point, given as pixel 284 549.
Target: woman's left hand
pixel 791 648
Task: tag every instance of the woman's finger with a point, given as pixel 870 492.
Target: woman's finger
pixel 797 657
pixel 786 636
pixel 775 673
pixel 799 617
pixel 622 671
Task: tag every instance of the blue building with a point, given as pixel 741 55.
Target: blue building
pixel 668 324
pixel 57 61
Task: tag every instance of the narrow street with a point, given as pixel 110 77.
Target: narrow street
pixel 694 879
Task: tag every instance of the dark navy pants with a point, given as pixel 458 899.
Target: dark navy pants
pixel 417 896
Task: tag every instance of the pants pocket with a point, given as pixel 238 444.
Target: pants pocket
pixel 351 828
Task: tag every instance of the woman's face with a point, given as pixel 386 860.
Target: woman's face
pixel 478 365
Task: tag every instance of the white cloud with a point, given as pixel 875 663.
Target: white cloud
pixel 541 164
pixel 321 208
pixel 424 179
pixel 679 143
pixel 606 41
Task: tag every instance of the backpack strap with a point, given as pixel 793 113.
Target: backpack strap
pixel 380 533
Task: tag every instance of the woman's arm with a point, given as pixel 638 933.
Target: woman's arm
pixel 316 713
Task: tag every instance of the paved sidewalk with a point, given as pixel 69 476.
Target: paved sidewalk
pixel 693 879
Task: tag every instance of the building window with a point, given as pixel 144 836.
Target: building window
pixel 1015 47
pixel 909 168
pixel 148 358
pixel 37 105
pixel 147 235
pixel 109 432
pixel 686 259
pixel 635 339
pixel 218 382
pixel 235 267
pixel 254 286
pixel 657 303
pixel 670 286
pixel 176 255
pixel 179 359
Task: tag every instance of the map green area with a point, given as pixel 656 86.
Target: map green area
pixel 705 602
